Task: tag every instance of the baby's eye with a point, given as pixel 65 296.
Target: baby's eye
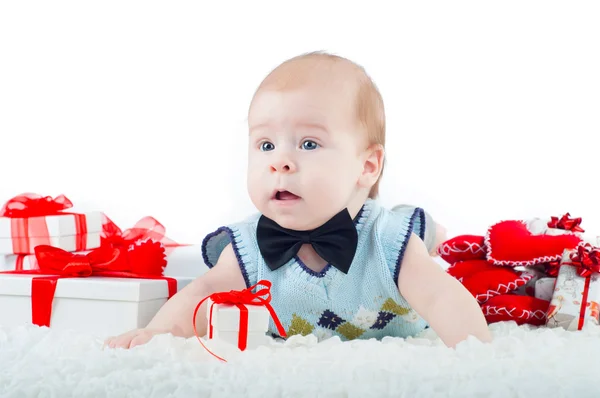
pixel 267 146
pixel 309 145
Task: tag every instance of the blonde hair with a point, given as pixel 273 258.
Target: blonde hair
pixel 370 110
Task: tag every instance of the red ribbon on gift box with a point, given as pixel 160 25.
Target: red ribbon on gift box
pixel 240 298
pixel 566 223
pixel 145 261
pixel 586 258
pixel 27 213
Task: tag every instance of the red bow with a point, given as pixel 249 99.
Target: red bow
pixel 587 259
pixel 566 223
pixel 144 259
pixel 55 261
pixel 240 298
pixel 34 205
pixel 148 228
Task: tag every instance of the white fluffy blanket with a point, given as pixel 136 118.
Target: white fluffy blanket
pixel 522 361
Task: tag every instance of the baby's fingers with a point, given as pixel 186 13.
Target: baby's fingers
pixel 141 339
pixel 122 341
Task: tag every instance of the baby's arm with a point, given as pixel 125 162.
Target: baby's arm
pixel 435 234
pixel 176 315
pixel 441 235
pixel 441 300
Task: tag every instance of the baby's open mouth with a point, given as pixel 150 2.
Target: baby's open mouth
pixel 285 195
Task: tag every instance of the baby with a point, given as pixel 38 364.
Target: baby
pixel 340 264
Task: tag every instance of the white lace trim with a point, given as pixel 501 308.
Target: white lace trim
pixel 446 249
pixel 504 288
pixel 515 313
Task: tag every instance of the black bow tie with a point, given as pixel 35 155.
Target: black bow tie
pixel 335 241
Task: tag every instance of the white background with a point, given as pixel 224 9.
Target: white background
pixel 139 108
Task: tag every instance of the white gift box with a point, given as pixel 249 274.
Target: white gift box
pixel 186 261
pixel 18 262
pixel 22 235
pixel 98 305
pixel 544 288
pixel 226 324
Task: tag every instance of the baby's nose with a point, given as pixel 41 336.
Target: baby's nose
pixel 283 166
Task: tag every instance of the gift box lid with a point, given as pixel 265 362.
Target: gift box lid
pixel 57 225
pixel 94 288
pixel 226 317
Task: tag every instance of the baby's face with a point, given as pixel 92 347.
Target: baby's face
pixel 305 154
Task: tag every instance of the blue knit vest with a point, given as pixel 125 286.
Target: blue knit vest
pixel 365 303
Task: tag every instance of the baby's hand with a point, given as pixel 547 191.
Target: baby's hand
pixel 441 235
pixel 133 338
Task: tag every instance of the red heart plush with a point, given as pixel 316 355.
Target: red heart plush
pixel 511 243
pixel 521 309
pixel 464 269
pixel 484 280
pixel 462 248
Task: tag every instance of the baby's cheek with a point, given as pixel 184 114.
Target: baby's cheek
pixel 331 183
pixel 255 185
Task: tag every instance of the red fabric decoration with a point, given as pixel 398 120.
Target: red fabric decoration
pixel 463 269
pixel 462 248
pixel 485 280
pixel 511 243
pixel 147 257
pixel 521 309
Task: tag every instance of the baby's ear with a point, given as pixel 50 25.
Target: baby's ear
pixel 373 165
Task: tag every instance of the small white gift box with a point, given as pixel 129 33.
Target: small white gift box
pixel 101 306
pixel 225 322
pixel 70 232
